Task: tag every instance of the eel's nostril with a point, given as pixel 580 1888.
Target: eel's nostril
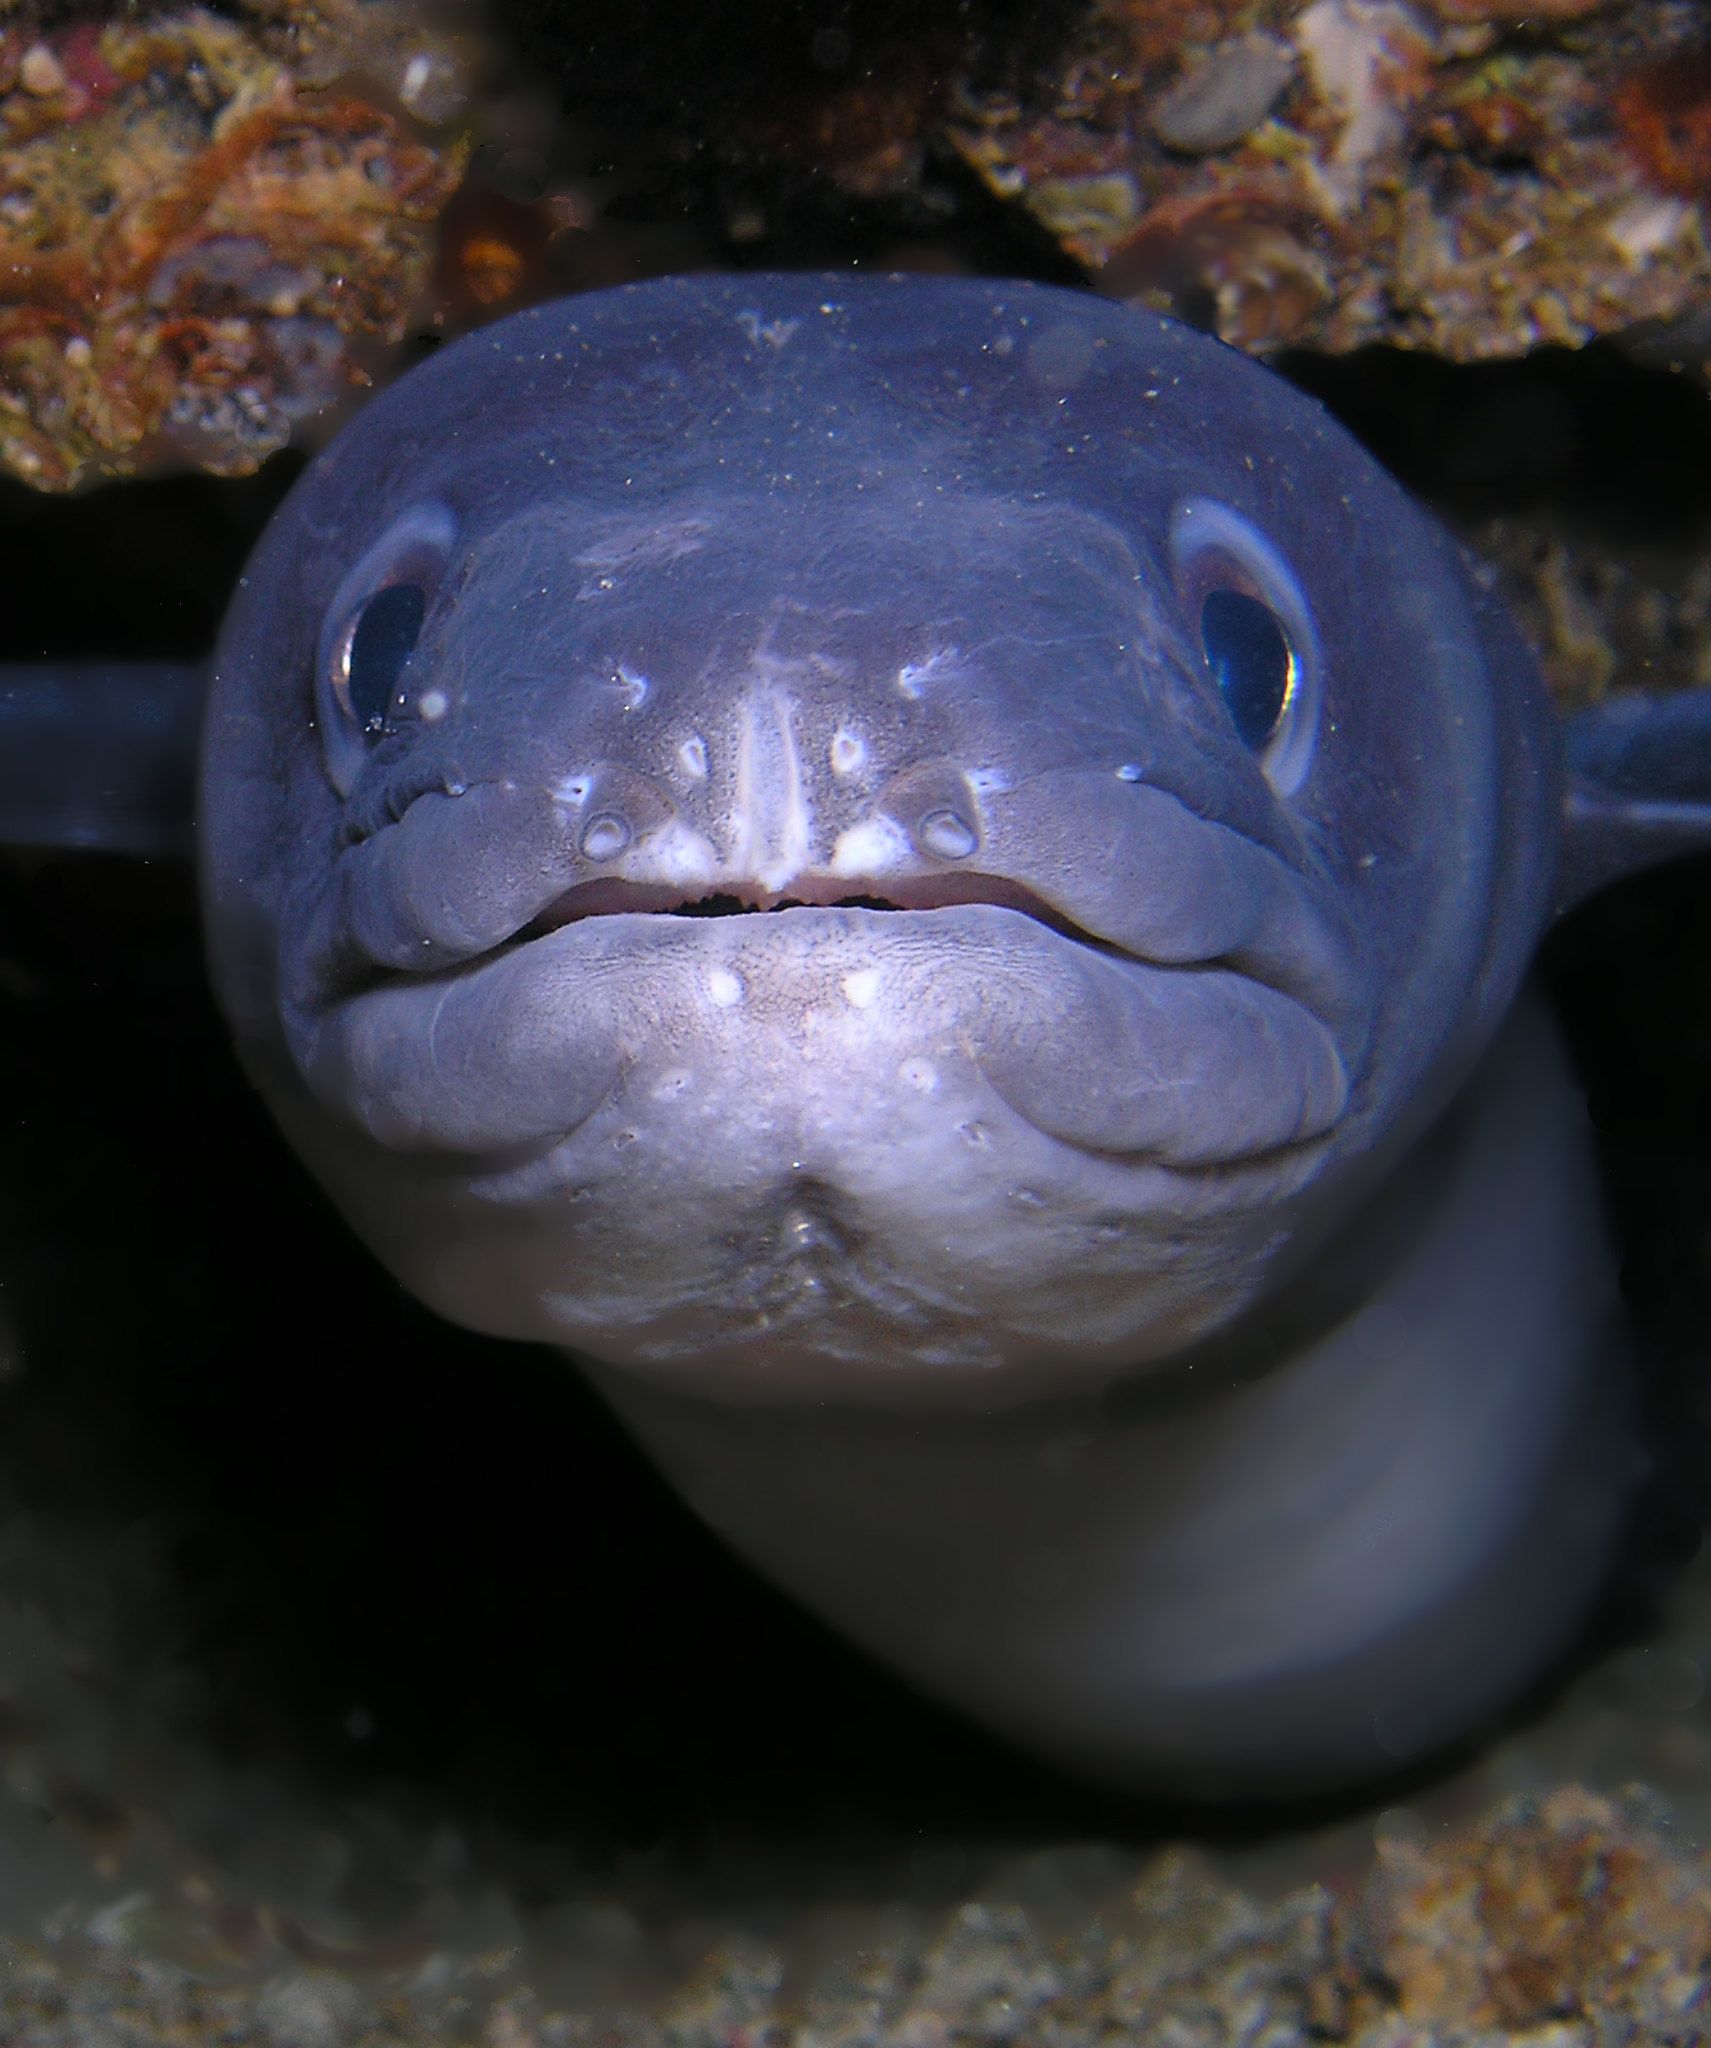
pixel 935 807
pixel 605 836
pixel 947 835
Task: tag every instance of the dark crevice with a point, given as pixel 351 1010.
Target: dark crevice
pixel 734 906
pixel 1609 445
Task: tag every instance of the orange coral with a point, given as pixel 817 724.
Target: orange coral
pixel 1663 113
pixel 1544 1911
pixel 192 248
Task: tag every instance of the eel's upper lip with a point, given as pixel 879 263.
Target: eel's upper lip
pixel 456 883
pixel 609 896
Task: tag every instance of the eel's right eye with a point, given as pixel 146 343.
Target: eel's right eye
pixel 381 639
pixel 1256 670
pixel 1254 621
pixel 368 676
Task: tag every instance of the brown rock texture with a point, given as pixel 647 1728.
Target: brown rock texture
pixel 208 227
pixel 1468 176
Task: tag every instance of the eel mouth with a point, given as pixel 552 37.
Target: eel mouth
pixel 611 896
pixel 530 1036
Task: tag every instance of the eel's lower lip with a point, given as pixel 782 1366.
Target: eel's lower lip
pixel 1183 1069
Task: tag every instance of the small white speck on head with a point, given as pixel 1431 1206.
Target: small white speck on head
pixel 432 706
pixel 670 1084
pixel 913 676
pixel 634 685
pixel 775 333
pixel 861 987
pixel 1129 772
pixel 988 781
pixel 847 751
pixel 921 1075
pixel 693 755
pixel 974 1134
pixel 572 789
pixel 724 987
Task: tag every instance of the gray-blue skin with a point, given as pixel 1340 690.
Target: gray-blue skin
pixel 1088 1214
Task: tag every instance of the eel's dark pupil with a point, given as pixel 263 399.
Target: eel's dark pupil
pixel 1248 654
pixel 387 629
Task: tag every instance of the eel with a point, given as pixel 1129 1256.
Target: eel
pixel 934 879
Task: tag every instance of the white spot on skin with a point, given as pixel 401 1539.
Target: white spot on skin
pixel 669 1085
pixel 874 847
pixel 724 987
pixel 847 752
pixel 921 1075
pixel 432 706
pixel 1129 772
pixel 861 987
pixel 572 789
pixel 635 687
pixel 693 755
pixel 989 781
pixel 675 853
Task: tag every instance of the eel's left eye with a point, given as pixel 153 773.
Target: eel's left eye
pixel 1252 662
pixel 381 640
pixel 1253 620
pixel 366 682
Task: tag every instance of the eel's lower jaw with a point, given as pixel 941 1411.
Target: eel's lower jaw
pixel 737 897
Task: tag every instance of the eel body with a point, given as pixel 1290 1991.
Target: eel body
pixel 933 879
